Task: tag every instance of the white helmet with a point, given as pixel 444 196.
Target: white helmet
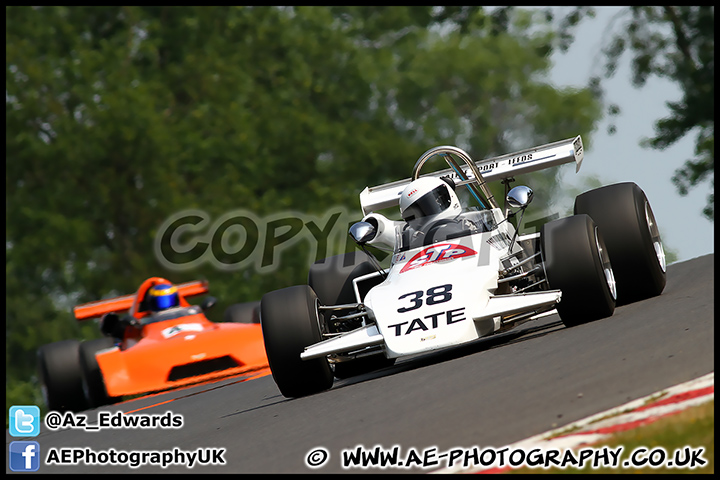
pixel 429 198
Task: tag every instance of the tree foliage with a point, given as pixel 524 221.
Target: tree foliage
pixel 676 43
pixel 119 117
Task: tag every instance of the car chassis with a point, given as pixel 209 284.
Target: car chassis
pixel 457 284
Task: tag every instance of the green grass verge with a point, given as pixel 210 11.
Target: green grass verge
pixel 693 428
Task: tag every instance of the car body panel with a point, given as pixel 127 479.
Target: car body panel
pixel 432 294
pixel 149 365
pixel 443 301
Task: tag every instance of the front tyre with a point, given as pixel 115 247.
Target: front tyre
pixel 290 322
pixel 61 376
pixel 627 223
pixel 577 263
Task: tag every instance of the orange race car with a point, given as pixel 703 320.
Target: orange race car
pixel 160 342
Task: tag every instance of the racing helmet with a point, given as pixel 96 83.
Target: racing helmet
pixel 430 199
pixel 163 296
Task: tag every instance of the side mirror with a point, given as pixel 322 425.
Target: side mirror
pixel 208 303
pixel 362 232
pixel 519 197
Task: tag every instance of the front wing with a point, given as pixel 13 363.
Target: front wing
pixel 498 306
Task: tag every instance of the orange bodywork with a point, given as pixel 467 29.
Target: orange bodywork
pixel 174 348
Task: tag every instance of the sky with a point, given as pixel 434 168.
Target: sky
pixel 619 157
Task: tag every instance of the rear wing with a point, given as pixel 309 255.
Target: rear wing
pixel 191 289
pixel 123 303
pixel 495 168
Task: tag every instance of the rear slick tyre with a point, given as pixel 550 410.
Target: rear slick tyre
pixel 623 214
pixel 332 278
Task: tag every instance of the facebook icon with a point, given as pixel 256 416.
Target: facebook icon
pixel 24 456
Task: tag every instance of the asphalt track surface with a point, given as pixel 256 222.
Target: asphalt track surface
pixel 492 393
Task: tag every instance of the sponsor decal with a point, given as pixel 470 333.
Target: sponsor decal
pixel 185 327
pixel 429 322
pixel 486 167
pixel 521 159
pixel 438 253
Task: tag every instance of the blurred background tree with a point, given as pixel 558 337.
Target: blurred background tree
pixel 677 44
pixel 119 117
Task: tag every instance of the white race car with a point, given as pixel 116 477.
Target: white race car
pixel 460 272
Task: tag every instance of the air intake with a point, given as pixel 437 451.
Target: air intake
pixel 203 367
